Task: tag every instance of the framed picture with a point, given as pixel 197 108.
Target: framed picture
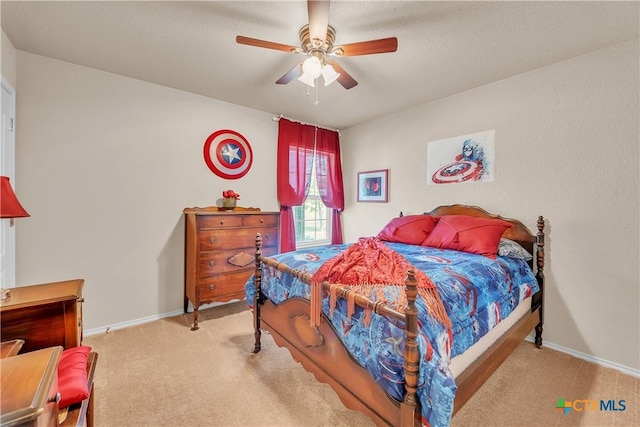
pixel 373 186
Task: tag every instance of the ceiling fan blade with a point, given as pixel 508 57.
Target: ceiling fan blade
pixel 293 73
pixel 318 20
pixel 345 78
pixel 265 44
pixel 389 44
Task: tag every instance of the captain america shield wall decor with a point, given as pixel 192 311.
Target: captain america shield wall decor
pixel 228 154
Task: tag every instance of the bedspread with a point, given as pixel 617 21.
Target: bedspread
pixel 477 292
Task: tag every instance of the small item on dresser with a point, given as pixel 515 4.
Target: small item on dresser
pixel 229 199
pixel 6 293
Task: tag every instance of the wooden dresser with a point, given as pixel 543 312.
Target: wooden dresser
pixel 220 252
pixel 44 315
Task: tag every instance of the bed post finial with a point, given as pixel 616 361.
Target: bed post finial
pixel 540 277
pixel 411 356
pixel 257 282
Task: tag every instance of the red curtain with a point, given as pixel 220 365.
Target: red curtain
pixel 295 163
pixel 329 178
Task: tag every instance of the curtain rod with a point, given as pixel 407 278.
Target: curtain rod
pixel 280 116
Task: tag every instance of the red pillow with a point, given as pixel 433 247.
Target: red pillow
pixel 468 234
pixel 410 229
pixel 72 375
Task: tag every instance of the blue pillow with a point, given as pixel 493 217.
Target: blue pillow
pixel 512 249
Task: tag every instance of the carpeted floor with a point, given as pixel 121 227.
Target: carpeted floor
pixel 163 374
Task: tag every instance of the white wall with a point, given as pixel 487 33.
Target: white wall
pixel 106 165
pixel 567 144
pixel 8 58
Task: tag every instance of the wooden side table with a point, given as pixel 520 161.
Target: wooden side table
pixel 29 388
pixel 44 315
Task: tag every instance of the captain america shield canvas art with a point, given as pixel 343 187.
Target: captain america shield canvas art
pixel 228 154
pixel 462 159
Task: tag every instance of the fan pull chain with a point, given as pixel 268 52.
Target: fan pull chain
pixel 309 92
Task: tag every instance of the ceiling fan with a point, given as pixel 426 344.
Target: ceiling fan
pixel 317 43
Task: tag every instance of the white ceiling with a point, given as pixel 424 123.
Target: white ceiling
pixel 443 47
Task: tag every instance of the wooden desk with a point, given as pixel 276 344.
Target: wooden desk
pixel 44 315
pixel 29 388
pixel 10 348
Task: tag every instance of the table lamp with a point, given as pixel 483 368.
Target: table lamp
pixel 10 207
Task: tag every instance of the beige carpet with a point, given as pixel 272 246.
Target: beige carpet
pixel 163 374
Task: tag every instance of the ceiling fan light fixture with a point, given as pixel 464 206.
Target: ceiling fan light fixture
pixel 308 80
pixel 312 67
pixel 329 74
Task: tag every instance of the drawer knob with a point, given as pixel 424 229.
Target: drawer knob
pixel 212 287
pixel 54 399
pixel 261 220
pixel 212 263
pixel 222 222
pixel 212 240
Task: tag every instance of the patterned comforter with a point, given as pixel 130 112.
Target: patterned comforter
pixel 477 292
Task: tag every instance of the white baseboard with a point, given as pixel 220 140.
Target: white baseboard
pixel 122 325
pixel 589 358
pixel 116 326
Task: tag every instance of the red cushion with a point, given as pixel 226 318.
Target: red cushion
pixel 468 234
pixel 410 229
pixel 72 375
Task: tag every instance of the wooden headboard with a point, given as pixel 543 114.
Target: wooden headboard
pixel 520 233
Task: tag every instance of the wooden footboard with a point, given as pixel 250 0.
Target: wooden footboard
pixel 321 352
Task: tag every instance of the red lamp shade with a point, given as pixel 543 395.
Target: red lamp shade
pixel 10 207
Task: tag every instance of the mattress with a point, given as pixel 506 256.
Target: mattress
pixel 461 362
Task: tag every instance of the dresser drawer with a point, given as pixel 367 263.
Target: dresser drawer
pixel 260 220
pixel 224 286
pixel 214 262
pixel 206 222
pixel 235 238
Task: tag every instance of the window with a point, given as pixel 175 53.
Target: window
pixel 312 219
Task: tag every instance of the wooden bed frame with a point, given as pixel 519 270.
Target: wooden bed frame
pixel 320 351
